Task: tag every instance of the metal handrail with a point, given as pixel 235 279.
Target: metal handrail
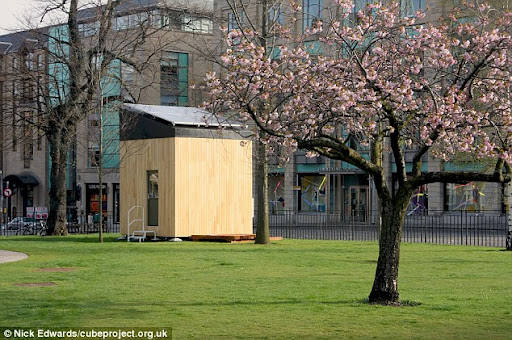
pixel 135 220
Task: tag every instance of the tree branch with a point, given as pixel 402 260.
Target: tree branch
pixel 462 177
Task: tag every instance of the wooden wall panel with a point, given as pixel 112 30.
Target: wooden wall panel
pixel 205 185
pixel 214 177
pixel 138 157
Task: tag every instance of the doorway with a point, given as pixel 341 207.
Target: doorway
pixel 359 203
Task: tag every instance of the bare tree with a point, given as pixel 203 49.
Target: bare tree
pixel 265 17
pixel 80 55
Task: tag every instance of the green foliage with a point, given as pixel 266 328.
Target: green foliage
pixel 291 288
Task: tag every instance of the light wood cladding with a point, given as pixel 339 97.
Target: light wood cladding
pixel 205 184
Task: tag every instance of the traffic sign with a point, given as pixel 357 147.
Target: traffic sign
pixel 7 192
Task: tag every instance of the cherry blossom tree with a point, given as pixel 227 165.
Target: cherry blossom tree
pixel 439 89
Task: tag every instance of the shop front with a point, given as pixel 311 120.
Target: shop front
pixel 92 199
pixel 21 194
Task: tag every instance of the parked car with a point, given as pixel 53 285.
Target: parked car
pixel 19 222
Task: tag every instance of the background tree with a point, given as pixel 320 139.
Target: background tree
pixel 95 38
pixel 265 17
pixel 396 85
pixel 77 51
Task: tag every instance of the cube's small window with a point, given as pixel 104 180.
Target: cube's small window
pixel 152 182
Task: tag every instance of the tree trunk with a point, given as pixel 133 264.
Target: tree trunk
pixel 508 211
pixel 262 226
pixel 58 198
pixel 385 285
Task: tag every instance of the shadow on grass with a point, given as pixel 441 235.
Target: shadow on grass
pixel 234 303
pixel 137 306
pixel 403 303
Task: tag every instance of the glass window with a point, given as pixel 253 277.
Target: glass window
pixel 89 29
pixel 409 7
pixel 171 20
pixel 28 142
pixel 236 21
pixel 195 24
pixel 359 5
pixel 312 12
pixel 93 151
pixel 312 193
pixel 40 62
pixel 276 192
pixel 30 62
pixel 468 196
pixel 127 74
pixel 418 4
pixel 122 23
pixel 152 183
pixel 14 108
pixel 275 14
pixel 94 155
pixel 174 79
pixel 156 19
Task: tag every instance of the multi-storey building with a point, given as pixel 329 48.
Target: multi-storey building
pixel 167 80
pixel 172 64
pixel 304 184
pixel 319 184
pixel 23 151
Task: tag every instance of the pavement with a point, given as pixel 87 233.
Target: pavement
pixel 11 256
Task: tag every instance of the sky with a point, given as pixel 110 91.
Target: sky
pixel 10 10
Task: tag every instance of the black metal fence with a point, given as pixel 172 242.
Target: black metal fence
pixel 487 228
pixel 28 226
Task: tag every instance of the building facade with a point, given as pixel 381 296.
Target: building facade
pixel 167 79
pixel 169 65
pixel 23 148
pixel 323 185
pixel 303 184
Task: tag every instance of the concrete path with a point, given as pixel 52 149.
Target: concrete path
pixel 11 256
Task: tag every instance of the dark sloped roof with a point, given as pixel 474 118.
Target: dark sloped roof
pixel 179 115
pixel 13 42
pixel 153 121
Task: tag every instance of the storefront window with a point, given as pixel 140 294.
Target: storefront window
pixel 312 193
pixel 276 193
pixel 468 196
pixel 93 201
pixel 418 204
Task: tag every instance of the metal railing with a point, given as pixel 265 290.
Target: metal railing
pixel 484 228
pixel 20 225
pixel 488 228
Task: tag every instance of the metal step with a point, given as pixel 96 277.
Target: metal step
pixel 137 238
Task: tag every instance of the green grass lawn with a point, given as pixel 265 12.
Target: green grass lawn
pixel 289 289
